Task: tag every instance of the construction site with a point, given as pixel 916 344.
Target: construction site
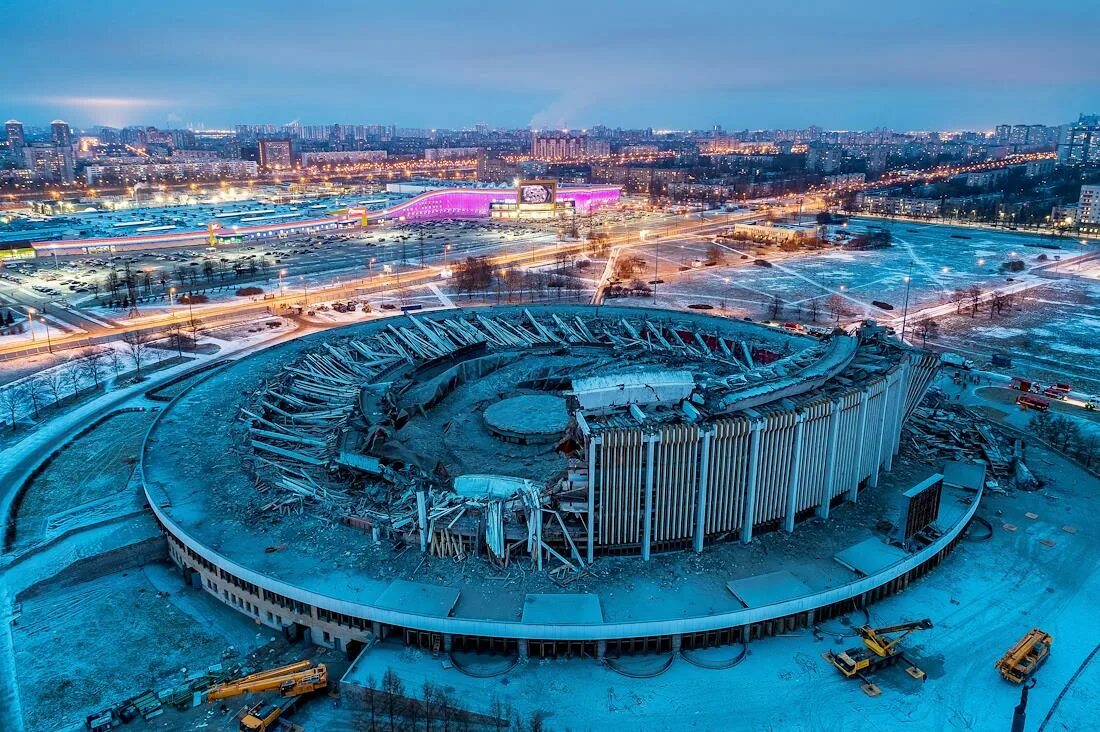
pixel 586 515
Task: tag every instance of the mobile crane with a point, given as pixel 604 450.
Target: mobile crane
pixel 1025 658
pixel 879 649
pixel 292 680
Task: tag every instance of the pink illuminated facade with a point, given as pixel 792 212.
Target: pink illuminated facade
pixel 448 203
pixel 475 203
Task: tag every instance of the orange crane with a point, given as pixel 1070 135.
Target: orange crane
pixel 292 680
pixel 1025 658
pixel 300 677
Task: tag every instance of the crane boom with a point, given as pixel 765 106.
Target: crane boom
pixel 297 678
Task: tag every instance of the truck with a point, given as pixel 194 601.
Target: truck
pixel 956 361
pixel 1033 402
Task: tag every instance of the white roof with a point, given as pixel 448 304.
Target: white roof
pixel 481 485
pixel 640 387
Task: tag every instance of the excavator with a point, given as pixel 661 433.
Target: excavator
pixel 292 680
pixel 880 648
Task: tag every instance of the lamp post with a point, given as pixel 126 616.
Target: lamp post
pixel 30 322
pixel 49 343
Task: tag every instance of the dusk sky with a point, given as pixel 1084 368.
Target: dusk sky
pixel 926 65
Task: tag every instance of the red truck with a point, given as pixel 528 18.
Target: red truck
pixel 1032 402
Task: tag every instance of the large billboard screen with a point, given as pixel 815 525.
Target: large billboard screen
pixel 537 193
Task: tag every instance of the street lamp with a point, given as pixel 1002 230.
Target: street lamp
pixel 171 296
pixel 49 343
pixel 30 322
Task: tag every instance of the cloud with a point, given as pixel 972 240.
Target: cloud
pixel 111 111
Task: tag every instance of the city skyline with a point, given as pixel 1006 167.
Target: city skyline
pixel 856 67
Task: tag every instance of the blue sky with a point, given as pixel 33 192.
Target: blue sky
pixel 916 65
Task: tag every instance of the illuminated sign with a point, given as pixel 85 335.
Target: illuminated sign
pixel 537 193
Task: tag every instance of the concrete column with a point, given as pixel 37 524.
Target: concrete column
pixel 872 479
pixel 601 649
pixel 522 649
pixel 701 493
pixel 647 519
pixel 880 441
pixel 796 472
pixel 903 394
pixel 422 518
pixel 853 492
pixel 593 445
pixel 890 425
pixel 755 428
pixel 677 642
pixel 836 407
pixel 448 642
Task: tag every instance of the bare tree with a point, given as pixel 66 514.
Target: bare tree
pixel 835 303
pixel 137 347
pixel 776 307
pixel 177 337
pixel 958 296
pixel 429 692
pixel 394 689
pixel 10 401
pixel 35 393
pixel 93 361
pixel 53 381
pixel 115 358
pixel 815 306
pixel 927 329
pixel 715 255
pixel 975 294
pixel 70 374
pixel 372 701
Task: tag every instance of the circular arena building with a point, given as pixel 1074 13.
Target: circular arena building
pixel 543 480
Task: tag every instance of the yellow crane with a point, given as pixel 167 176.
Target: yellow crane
pixel 880 648
pixel 292 680
pixel 1025 658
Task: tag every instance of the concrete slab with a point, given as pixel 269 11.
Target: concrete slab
pixel 869 556
pixel 562 608
pixel 970 476
pixel 419 598
pixel 765 589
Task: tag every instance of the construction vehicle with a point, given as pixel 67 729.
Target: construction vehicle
pixel 292 680
pixel 263 717
pixel 879 650
pixel 1025 658
pixel 300 677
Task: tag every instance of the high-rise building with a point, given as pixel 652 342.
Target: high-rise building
pixel 1079 144
pixel 62 134
pixel 17 141
pixel 50 162
pixel 1088 207
pixel 276 154
pixel 567 146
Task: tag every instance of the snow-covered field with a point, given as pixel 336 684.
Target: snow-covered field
pixel 935 258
